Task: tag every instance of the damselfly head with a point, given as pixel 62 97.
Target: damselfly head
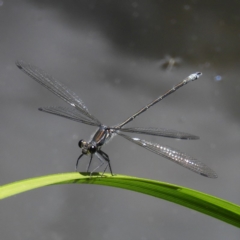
pixel 87 148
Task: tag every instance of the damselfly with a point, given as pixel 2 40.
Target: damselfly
pixel 80 113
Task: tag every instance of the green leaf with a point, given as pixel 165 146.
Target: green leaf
pixel 204 203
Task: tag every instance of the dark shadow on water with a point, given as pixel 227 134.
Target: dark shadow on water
pixel 198 32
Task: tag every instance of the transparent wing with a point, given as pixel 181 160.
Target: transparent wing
pixel 175 156
pixel 57 88
pixel 159 132
pixel 70 113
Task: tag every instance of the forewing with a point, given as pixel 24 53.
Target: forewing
pixel 55 87
pixel 69 113
pixel 175 156
pixel 160 132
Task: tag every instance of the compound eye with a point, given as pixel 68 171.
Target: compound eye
pixel 92 149
pixel 80 143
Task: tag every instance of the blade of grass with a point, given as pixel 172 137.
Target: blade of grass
pixel 204 203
